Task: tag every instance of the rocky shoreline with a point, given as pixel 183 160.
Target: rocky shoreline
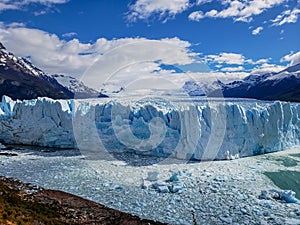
pixel 26 204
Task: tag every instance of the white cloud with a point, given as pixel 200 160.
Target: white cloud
pixel 211 13
pixel 292 58
pixel 201 2
pixel 233 76
pixel 261 61
pixel 143 9
pixel 226 58
pixel 267 68
pixel 17 5
pixel 55 55
pixel 124 56
pixel 257 30
pixel 232 69
pixel 233 10
pixel 16 25
pixel 243 10
pixel 232 59
pixel 196 16
pixel 239 10
pixel 42 12
pixel 69 35
pixel 6 6
pixel 288 16
pixel 45 2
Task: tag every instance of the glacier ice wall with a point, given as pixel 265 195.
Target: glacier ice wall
pixel 185 129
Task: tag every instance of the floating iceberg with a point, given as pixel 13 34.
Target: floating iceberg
pixel 184 128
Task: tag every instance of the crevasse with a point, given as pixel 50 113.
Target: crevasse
pixel 206 129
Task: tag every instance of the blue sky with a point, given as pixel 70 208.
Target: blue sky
pixel 233 37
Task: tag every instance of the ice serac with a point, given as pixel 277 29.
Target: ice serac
pixel 40 122
pixel 204 129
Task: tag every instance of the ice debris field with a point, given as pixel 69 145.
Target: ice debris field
pixel 216 192
pixel 200 129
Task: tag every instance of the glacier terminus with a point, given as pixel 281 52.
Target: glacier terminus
pixel 183 128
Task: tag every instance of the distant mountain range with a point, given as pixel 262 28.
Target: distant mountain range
pixel 20 79
pixel 284 86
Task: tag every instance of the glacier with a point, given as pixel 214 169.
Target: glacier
pixel 168 126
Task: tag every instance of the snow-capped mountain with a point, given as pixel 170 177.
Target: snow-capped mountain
pixel 193 89
pixel 204 87
pixel 284 86
pixel 20 79
pixel 77 87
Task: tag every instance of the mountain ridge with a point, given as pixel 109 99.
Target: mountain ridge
pixel 20 79
pixel 282 86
